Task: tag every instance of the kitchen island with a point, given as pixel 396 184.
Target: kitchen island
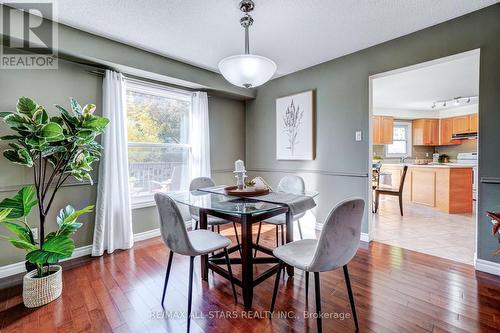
pixel 447 186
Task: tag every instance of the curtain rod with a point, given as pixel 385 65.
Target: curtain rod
pixel 148 81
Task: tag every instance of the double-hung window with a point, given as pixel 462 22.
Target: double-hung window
pixel 158 131
pixel 401 140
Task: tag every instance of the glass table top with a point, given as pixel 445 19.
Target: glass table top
pixel 226 203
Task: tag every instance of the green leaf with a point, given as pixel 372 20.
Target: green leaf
pixel 69 229
pixel 68 215
pixel 4 114
pixel 54 249
pixel 21 204
pixel 57 120
pixel 51 131
pixel 4 213
pixel 40 116
pixel 97 122
pixel 35 142
pixel 75 106
pixel 26 106
pixel 20 231
pixel 19 243
pixel 16 121
pixel 88 109
pixel 10 137
pixel 20 156
pixel 53 150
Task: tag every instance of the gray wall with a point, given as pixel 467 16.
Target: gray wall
pixel 341 87
pixel 49 87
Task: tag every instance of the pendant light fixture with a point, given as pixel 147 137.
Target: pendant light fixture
pixel 247 70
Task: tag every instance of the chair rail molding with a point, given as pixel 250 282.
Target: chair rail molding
pixel 320 172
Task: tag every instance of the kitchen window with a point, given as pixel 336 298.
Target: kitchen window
pixel 401 140
pixel 158 150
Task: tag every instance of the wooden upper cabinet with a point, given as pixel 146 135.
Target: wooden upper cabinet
pixel 473 122
pixel 382 130
pixel 425 132
pixel 446 132
pixel 460 124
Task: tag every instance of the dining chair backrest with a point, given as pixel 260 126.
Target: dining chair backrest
pixel 197 183
pixel 403 177
pixel 339 238
pixel 292 184
pixel 172 226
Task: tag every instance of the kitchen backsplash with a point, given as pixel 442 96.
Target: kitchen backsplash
pixel 467 146
pixel 419 152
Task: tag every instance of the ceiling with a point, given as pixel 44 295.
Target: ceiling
pixel 417 89
pixel 294 33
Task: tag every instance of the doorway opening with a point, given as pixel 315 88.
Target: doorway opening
pixel 423 156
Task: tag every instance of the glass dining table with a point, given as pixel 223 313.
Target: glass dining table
pixel 246 212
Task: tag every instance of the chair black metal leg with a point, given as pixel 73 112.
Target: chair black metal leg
pixel 307 287
pixel 237 238
pixel 276 285
pixel 258 238
pixel 218 229
pixel 226 254
pixel 318 301
pixel 377 197
pixel 300 229
pixel 190 291
pixel 277 236
pixel 195 225
pixel 401 204
pixel 351 296
pixel 169 265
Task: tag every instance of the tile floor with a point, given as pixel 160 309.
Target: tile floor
pixel 426 230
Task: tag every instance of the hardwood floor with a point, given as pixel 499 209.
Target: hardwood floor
pixel 396 290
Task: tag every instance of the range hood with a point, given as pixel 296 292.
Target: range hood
pixel 464 136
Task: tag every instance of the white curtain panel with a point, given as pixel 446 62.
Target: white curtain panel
pixel 199 136
pixel 113 225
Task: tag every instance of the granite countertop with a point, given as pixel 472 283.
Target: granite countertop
pixel 439 165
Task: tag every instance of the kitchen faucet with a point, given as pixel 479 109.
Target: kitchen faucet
pixel 403 158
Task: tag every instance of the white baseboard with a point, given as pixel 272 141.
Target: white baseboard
pixel 19 267
pixel 146 234
pixel 487 266
pixel 364 236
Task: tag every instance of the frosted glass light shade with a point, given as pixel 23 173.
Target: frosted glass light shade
pixel 247 70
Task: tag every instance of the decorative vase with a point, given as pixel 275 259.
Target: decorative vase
pixel 41 291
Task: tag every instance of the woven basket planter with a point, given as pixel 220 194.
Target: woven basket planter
pixel 40 291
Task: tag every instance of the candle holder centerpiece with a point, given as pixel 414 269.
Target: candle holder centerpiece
pixel 240 174
pixel 244 188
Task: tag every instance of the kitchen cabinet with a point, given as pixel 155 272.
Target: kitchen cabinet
pixel 461 124
pixel 446 132
pixel 423 186
pixel 473 123
pixel 425 132
pixel 382 130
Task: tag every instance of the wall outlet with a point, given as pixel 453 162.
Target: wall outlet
pixel 359 136
pixel 35 233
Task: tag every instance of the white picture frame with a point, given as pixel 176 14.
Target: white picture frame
pixel 295 127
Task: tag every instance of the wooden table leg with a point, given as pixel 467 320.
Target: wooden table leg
pixel 246 261
pixel 289 236
pixel 204 258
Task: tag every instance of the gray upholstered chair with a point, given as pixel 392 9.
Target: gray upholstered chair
pixel 288 184
pixel 192 244
pixel 336 246
pixel 212 221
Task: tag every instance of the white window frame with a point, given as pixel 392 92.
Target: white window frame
pixel 409 144
pixel 147 200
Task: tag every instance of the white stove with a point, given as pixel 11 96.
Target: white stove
pixel 470 158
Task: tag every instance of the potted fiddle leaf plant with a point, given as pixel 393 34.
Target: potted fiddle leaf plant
pixel 56 148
